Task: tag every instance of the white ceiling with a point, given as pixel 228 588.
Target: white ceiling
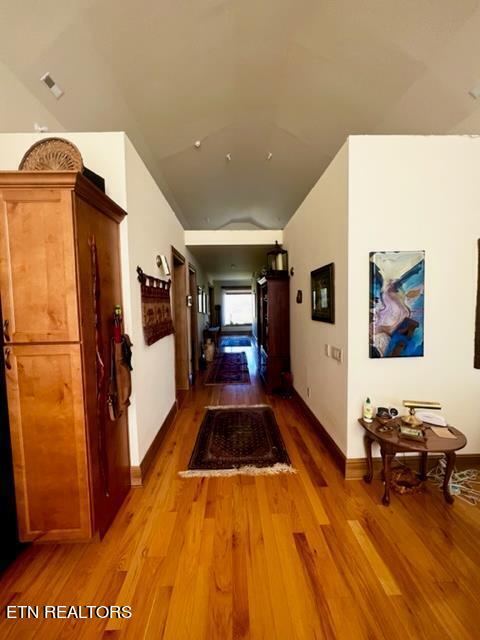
pixel 230 262
pixel 247 77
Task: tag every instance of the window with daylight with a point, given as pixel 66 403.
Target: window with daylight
pixel 238 307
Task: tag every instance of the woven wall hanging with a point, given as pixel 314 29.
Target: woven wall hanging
pixel 156 309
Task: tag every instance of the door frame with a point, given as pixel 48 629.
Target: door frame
pixel 180 324
pixel 211 303
pixel 194 343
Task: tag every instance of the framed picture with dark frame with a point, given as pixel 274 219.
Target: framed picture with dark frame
pixel 323 293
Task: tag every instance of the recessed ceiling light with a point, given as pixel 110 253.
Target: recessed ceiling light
pixel 228 157
pixel 197 144
pixel 52 85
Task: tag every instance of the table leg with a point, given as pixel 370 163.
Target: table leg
pixel 451 456
pixel 387 472
pixel 368 448
pixel 423 465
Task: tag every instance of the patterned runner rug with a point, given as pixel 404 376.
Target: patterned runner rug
pixel 235 341
pixel 228 368
pixel 237 440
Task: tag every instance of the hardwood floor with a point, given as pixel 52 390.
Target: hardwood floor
pixel 292 556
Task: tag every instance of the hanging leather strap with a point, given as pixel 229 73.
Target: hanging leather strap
pixel 112 397
pixel 100 368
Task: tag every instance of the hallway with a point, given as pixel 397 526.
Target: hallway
pixel 308 555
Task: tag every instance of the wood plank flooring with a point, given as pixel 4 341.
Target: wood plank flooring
pixel 301 556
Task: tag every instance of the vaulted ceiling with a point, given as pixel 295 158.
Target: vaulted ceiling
pixel 249 78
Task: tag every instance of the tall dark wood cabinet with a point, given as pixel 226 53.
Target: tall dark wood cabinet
pixel 273 329
pixel 59 283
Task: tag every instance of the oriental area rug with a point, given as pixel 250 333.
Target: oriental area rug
pixel 238 440
pixel 228 368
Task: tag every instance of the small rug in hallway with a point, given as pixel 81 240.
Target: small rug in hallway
pixel 235 341
pixel 228 368
pixel 238 440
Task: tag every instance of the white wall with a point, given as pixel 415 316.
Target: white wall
pixel 417 192
pixel 315 236
pixel 152 229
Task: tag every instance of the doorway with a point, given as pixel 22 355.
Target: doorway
pixel 192 286
pixel 179 307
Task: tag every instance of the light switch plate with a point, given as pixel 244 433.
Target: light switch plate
pixel 337 354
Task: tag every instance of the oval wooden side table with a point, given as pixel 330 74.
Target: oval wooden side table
pixel 391 444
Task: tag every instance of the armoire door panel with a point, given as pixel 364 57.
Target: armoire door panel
pixel 46 411
pixel 108 440
pixel 37 266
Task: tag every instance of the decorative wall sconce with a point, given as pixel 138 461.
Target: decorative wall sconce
pixel 189 301
pixel 299 297
pixel 162 263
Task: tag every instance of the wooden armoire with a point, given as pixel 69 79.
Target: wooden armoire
pixel 59 284
pixel 273 329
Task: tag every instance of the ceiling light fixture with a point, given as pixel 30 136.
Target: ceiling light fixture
pixel 197 144
pixel 162 263
pixel 228 157
pixel 52 85
pixel 270 155
pixel 475 92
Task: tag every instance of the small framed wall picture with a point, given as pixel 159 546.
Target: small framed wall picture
pixel 323 293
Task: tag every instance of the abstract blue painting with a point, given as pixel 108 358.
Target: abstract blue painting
pixel 397 281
